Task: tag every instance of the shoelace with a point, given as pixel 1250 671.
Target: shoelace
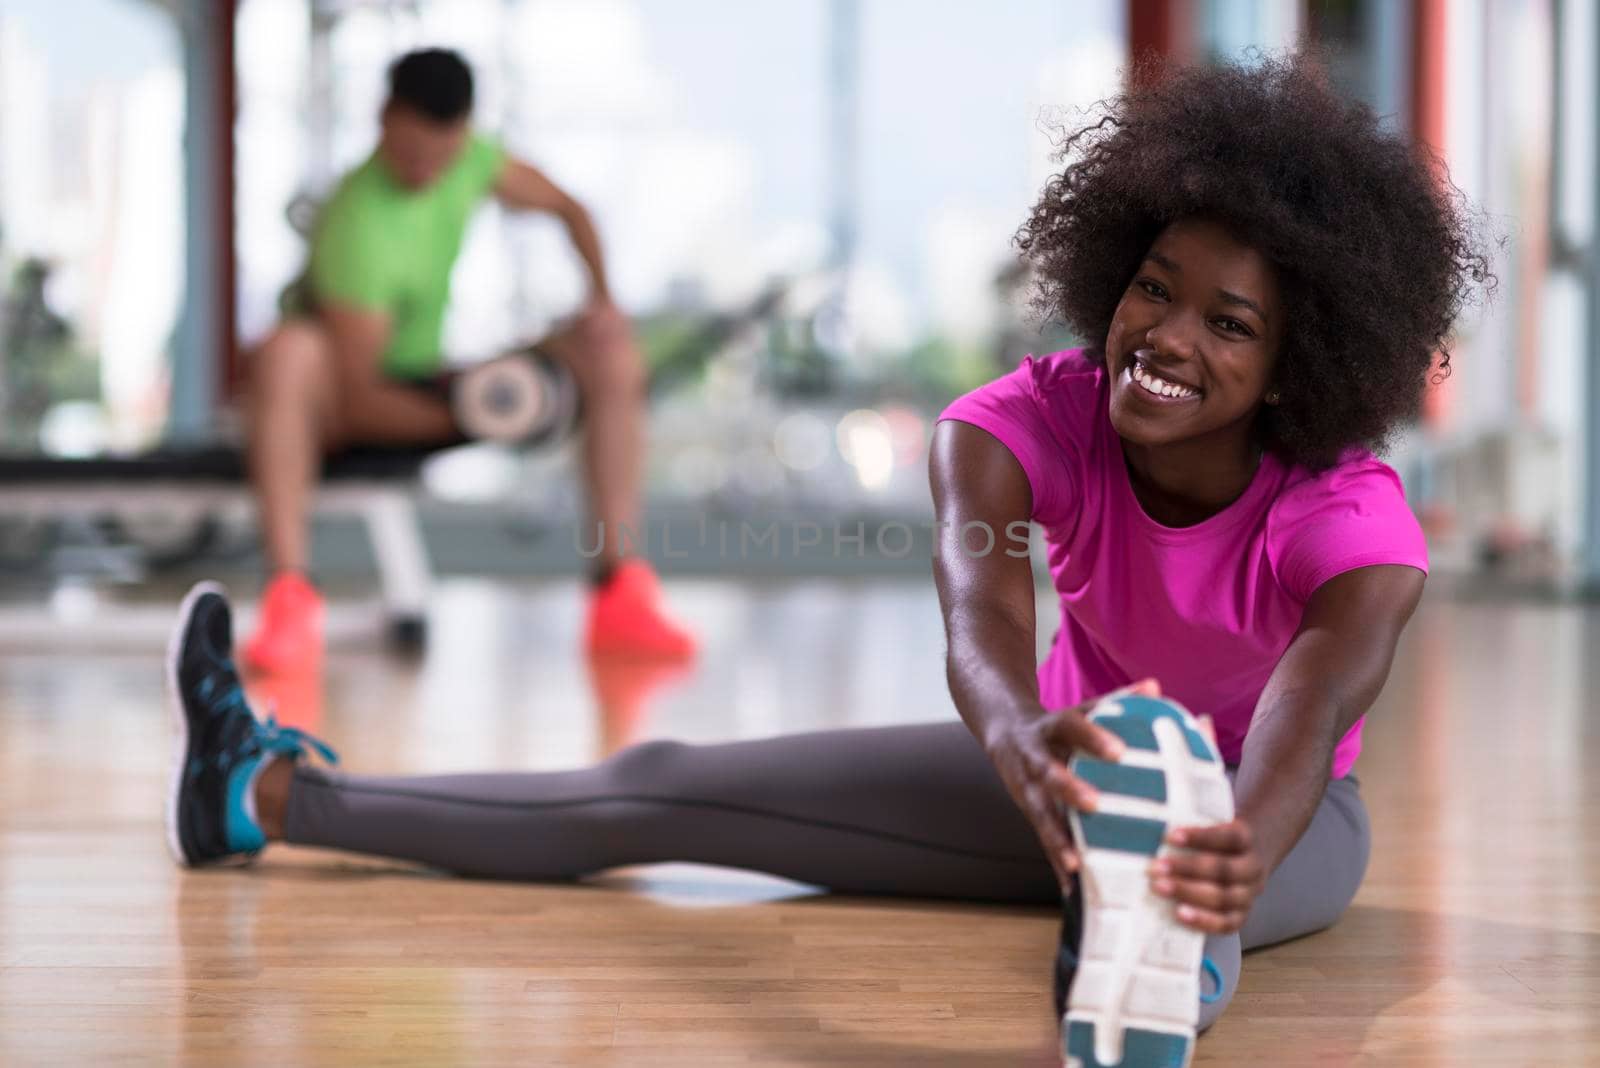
pixel 291 740
pixel 264 737
pixel 1216 975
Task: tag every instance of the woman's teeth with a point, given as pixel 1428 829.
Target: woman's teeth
pixel 1160 386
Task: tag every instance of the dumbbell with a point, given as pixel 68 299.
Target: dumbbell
pixel 522 398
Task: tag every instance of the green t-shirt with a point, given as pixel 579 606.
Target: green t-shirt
pixel 381 246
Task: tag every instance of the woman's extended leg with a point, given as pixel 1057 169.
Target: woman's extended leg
pixel 915 810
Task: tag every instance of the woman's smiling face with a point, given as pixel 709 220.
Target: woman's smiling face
pixel 1195 338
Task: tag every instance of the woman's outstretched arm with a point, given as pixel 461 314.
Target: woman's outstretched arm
pixel 1329 676
pixel 1332 672
pixel 986 595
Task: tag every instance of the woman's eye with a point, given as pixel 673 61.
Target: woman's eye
pixel 1234 326
pixel 1155 289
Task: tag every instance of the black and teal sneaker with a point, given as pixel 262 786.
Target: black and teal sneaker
pixel 1133 983
pixel 219 743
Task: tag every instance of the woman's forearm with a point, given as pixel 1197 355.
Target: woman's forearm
pixel 1284 769
pixel 992 669
pixel 987 598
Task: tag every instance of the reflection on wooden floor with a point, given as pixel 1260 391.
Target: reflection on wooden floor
pixel 1476 939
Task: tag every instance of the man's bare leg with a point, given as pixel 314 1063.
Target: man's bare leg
pixel 610 372
pixel 625 615
pixel 293 421
pixel 299 413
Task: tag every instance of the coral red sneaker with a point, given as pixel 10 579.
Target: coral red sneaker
pixel 625 617
pixel 288 635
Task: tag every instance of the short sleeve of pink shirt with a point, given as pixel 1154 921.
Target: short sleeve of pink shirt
pixel 1353 515
pixel 1043 421
pixel 1207 609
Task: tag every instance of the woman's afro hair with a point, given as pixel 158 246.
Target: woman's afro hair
pixel 1373 247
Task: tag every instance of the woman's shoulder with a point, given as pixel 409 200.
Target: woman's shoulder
pixel 1068 387
pixel 1072 374
pixel 1060 387
pixel 1043 412
pixel 1357 476
pixel 1351 514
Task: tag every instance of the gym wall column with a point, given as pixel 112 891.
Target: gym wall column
pixel 204 366
pixel 1577 212
pixel 1389 29
pixel 1161 28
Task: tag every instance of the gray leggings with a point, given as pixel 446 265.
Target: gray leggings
pixel 915 811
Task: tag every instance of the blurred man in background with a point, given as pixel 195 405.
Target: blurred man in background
pixel 358 356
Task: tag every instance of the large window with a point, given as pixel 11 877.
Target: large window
pixel 91 222
pixel 837 182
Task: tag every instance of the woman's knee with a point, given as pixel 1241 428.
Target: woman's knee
pixel 1354 810
pixel 1347 841
pixel 647 764
pixel 1316 883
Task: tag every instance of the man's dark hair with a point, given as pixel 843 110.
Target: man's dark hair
pixel 433 81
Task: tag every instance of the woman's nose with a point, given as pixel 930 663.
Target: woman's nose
pixel 1173 337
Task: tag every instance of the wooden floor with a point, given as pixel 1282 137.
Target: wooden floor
pixel 1475 941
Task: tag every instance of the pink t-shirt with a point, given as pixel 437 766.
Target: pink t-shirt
pixel 1206 609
